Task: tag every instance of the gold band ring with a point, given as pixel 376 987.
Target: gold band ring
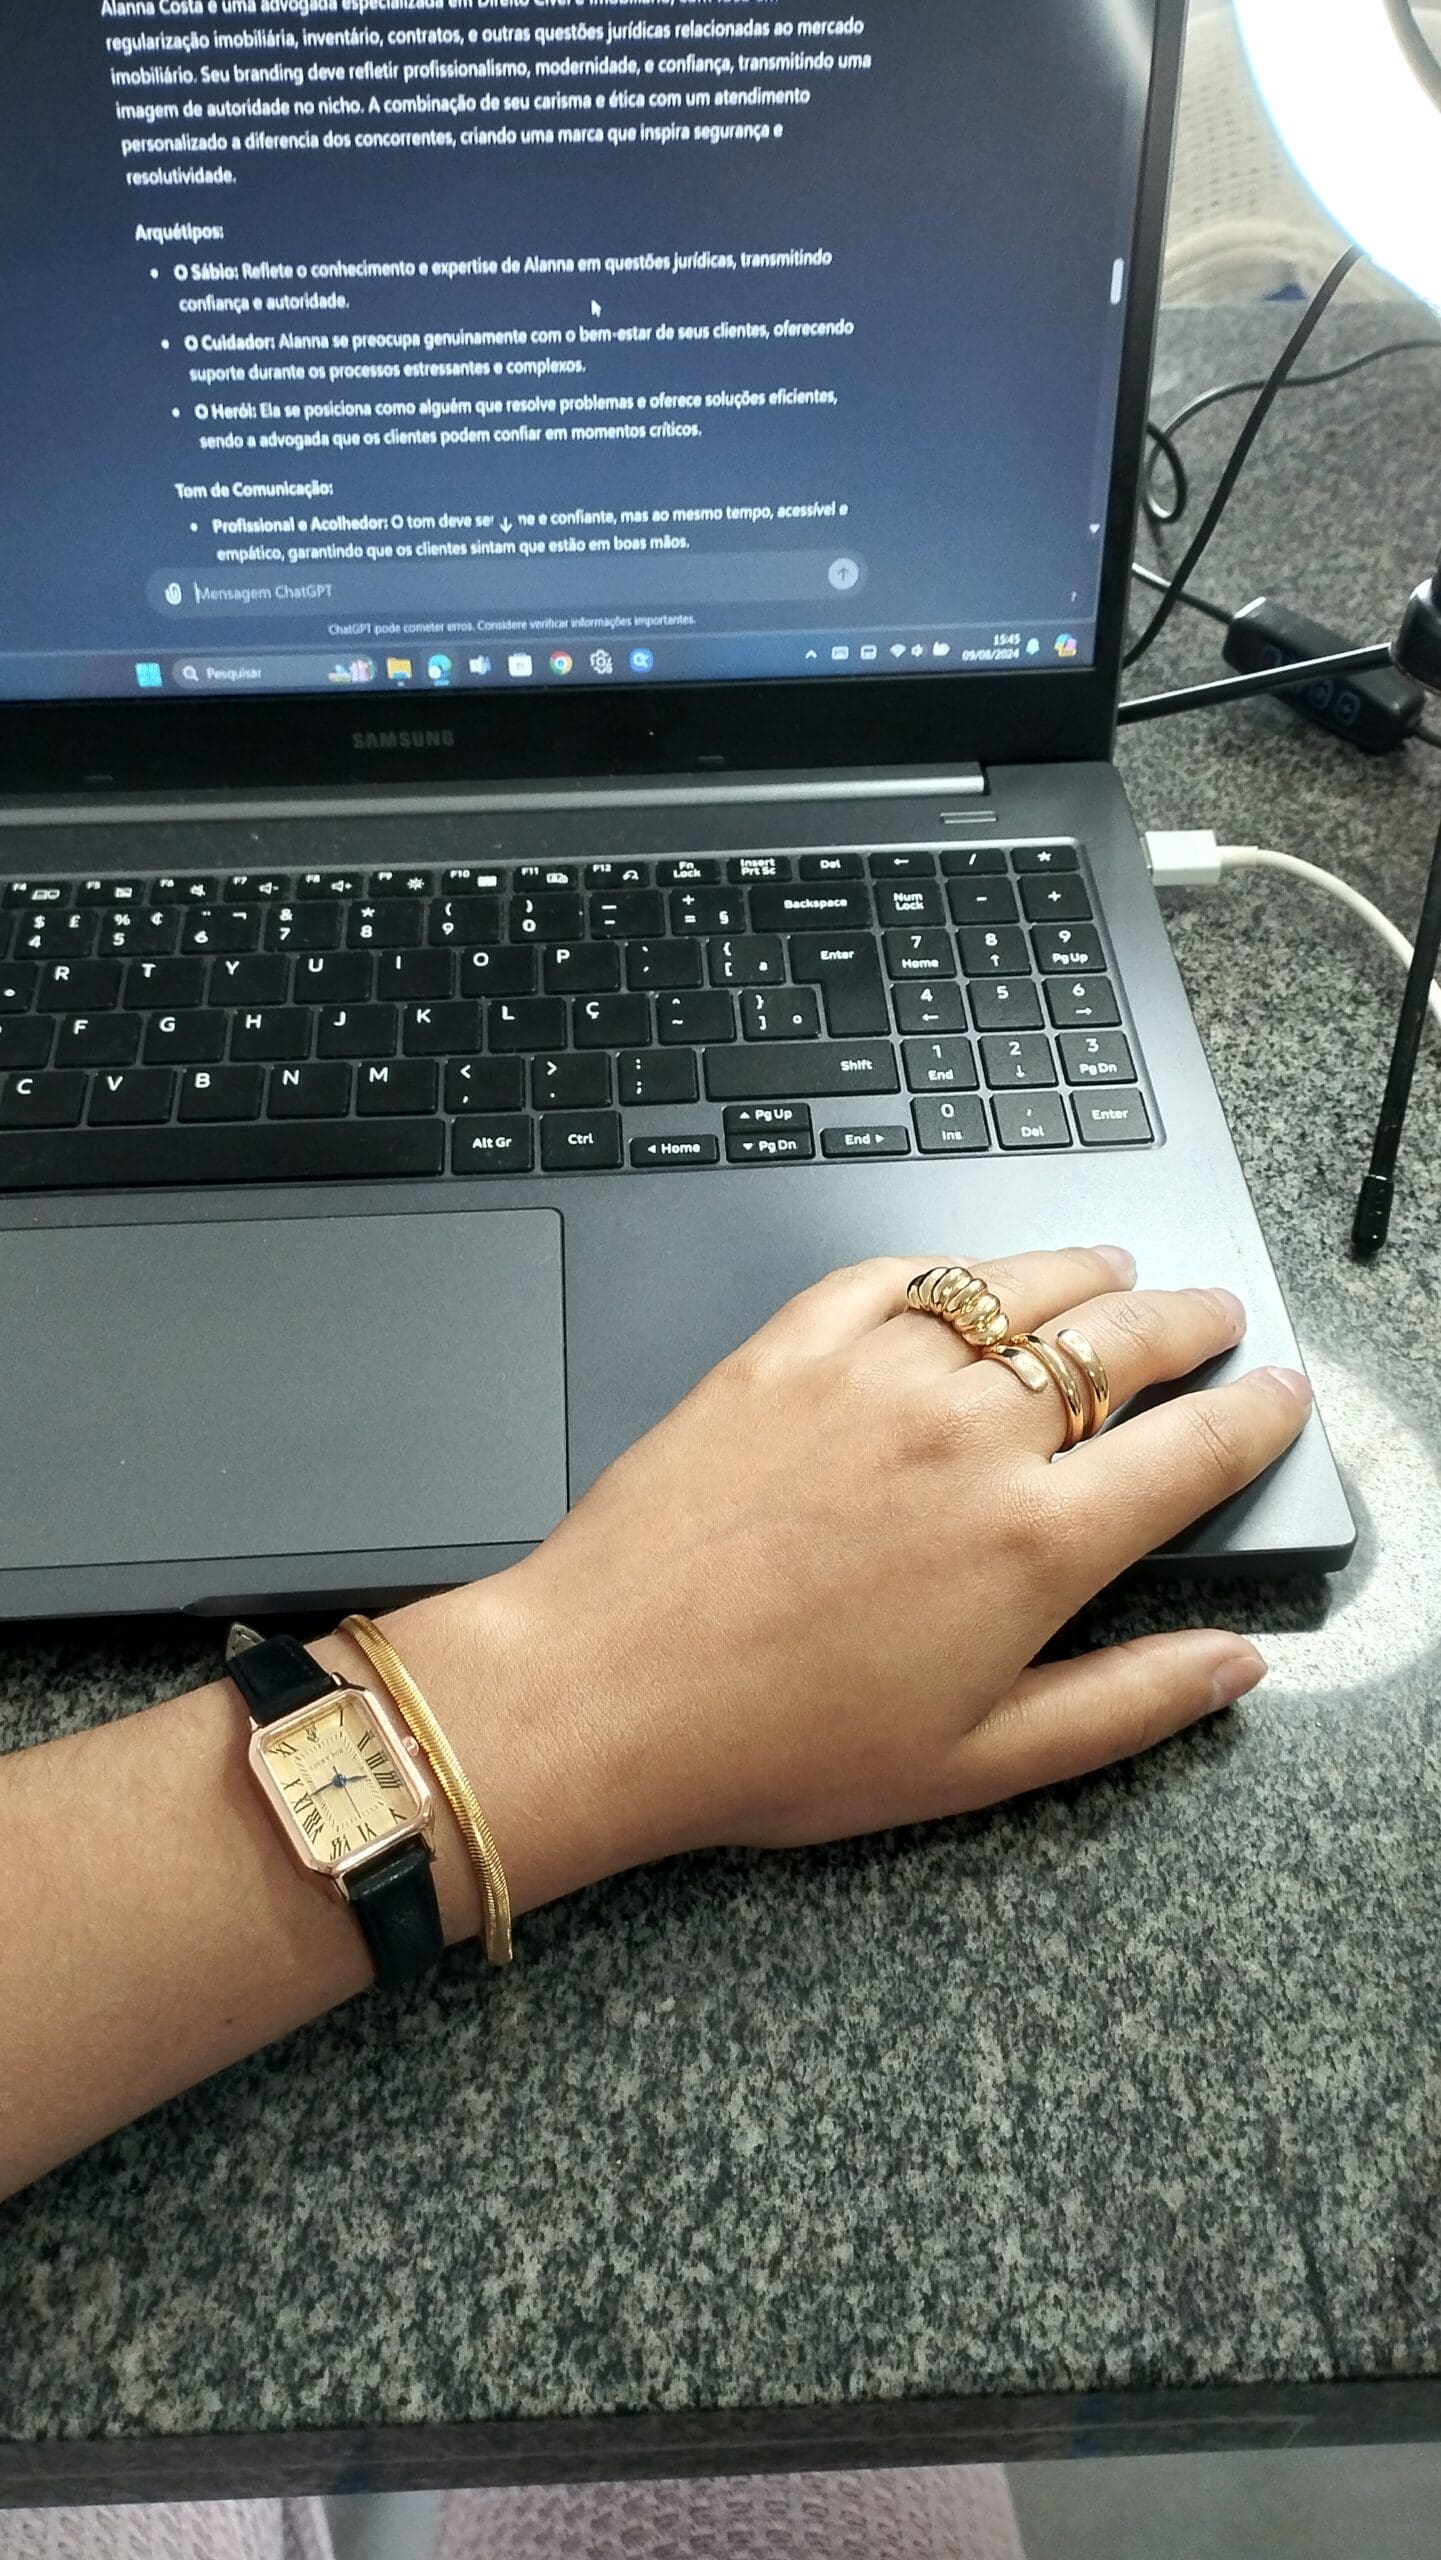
pixel 1084 1356
pixel 963 1302
pixel 1038 1365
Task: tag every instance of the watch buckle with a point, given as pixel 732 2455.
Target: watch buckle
pixel 241 1639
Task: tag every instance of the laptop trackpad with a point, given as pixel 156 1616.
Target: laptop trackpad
pixel 281 1387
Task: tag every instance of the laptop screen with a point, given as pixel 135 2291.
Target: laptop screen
pixel 404 346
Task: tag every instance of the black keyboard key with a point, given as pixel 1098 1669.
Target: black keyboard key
pixel 974 862
pixel 330 884
pixel 310 1093
pixel 222 1093
pixel 848 972
pixel 683 871
pixel 758 866
pixel 920 903
pixel 1024 1060
pixel 611 1022
pixel 940 1006
pixel 212 929
pixel 413 977
pixel 466 921
pixel 636 875
pixel 259 888
pixel 693 1021
pixel 784 1147
pixel 180 1039
pixel 262 979
pixel 56 934
pixel 585 969
pixel 809 1069
pixel 658 1076
pixel 580 1141
pixel 18 982
pixel 1034 858
pixel 35 893
pixel 756 1119
pixel 544 875
pixel 300 927
pixel 926 954
pixel 359 1031
pixel 950 1128
pixel 400 884
pixel 550 916
pixel 832 866
pixel 42 1101
pixel 1075 1002
pixel 784 1013
pixel 531 1022
pixel 323 977
pixel 669 963
pixel 485 1084
pixel 276 1031
pixel 939 1066
pixel 1097 1057
pixel 1005 1004
pixel 271 1151
pixel 26 1039
pixel 707 911
pixel 466 877
pixel 915 864
pixel 1112 1119
pixel 1031 1120
pixel 852 1146
pixel 177 889
pixel 747 960
pixel 98 1040
pixel 571 1082
pixel 792 910
pixel 131 1098
pixel 687 1149
pixel 1049 901
pixel 496 973
pixel 399 1086
pixel 993 951
pixel 138 930
pixel 387 924
pixel 450 1030
pixel 167 986
pixel 636 912
pixel 79 986
pixel 1068 950
pixel 982 902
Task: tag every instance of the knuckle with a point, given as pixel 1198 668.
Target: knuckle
pixel 1139 1324
pixel 1217 1446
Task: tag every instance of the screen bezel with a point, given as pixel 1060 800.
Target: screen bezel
pixel 280 741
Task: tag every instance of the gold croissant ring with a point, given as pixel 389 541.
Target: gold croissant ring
pixel 963 1302
pixel 1072 1366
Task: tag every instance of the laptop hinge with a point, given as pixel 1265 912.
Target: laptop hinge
pixel 378 799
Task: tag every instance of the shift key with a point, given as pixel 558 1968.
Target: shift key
pixel 800 1070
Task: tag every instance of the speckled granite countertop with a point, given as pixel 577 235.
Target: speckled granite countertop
pixel 1008 2134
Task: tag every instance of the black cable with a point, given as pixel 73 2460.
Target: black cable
pixel 1185 595
pixel 1164 437
pixel 1373 1208
pixel 1210 697
pixel 1300 336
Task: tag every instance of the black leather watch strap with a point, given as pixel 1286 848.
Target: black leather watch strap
pixel 394 1901
pixel 276 1677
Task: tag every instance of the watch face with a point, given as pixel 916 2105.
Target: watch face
pixel 339 1771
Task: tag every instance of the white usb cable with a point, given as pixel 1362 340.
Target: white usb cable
pixel 1191 858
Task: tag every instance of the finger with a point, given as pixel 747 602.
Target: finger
pixel 1072 1717
pixel 842 1309
pixel 1143 1339
pixel 1153 1476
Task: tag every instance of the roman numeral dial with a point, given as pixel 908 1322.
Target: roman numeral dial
pixel 339 1779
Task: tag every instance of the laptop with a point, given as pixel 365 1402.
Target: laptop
pixel 564 566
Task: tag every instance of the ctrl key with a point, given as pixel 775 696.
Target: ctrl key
pixel 502 1143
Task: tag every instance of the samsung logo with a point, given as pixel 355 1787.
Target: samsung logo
pixel 367 742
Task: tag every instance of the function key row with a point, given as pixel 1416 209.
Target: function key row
pixel 680 871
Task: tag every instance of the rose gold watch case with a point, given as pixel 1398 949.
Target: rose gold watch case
pixel 404 1751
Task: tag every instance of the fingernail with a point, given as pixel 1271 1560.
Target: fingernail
pixel 1118 1261
pixel 1230 1309
pixel 1296 1386
pixel 1237 1676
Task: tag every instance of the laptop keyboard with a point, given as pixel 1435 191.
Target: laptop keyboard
pixel 758 1009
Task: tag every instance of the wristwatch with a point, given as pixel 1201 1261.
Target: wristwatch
pixel 338 1770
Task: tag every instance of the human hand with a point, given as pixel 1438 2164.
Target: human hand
pixel 807 1604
